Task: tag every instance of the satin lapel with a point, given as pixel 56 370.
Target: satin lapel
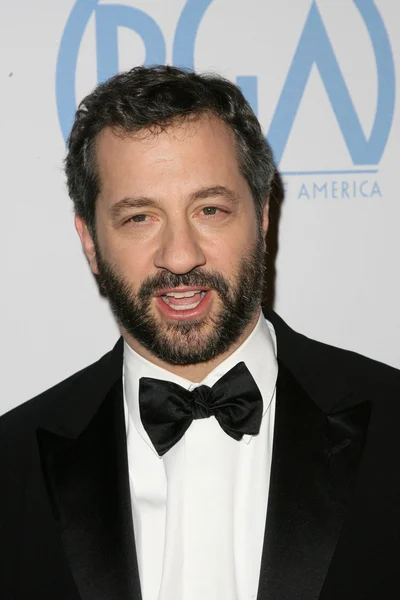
pixel 88 485
pixel 315 460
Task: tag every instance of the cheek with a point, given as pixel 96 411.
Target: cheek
pixel 135 262
pixel 120 248
pixel 225 255
pixel 132 262
pixel 232 245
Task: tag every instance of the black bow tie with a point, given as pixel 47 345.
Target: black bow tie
pixel 167 409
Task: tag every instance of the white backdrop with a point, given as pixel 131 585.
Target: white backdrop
pixel 321 78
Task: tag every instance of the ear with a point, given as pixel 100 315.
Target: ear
pixel 87 243
pixel 265 217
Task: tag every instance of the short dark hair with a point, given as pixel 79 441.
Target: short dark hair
pixel 156 97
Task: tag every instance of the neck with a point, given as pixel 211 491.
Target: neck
pixel 194 372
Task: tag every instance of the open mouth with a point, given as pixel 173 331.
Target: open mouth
pixel 183 300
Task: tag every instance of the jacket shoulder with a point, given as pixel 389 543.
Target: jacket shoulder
pixel 26 416
pixel 352 377
pixel 331 375
pixel 357 367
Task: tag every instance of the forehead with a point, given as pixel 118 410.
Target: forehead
pixel 190 150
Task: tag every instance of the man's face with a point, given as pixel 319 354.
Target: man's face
pixel 179 250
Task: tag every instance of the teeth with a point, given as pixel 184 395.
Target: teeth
pixel 185 306
pixel 182 294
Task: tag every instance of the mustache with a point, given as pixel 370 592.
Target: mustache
pixel 195 278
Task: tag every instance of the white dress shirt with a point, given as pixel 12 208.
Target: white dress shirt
pixel 199 511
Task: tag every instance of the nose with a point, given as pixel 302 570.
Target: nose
pixel 179 251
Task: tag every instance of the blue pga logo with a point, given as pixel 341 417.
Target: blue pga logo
pixel 314 48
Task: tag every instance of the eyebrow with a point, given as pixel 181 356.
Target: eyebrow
pixel 130 202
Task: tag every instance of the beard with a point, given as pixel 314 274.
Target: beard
pixel 189 341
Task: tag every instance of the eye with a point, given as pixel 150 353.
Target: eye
pixel 210 211
pixel 137 219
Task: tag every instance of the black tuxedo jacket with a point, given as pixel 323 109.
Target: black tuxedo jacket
pixel 333 518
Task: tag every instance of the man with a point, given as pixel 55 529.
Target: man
pixel 214 453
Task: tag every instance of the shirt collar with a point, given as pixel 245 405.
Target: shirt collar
pixel 258 352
